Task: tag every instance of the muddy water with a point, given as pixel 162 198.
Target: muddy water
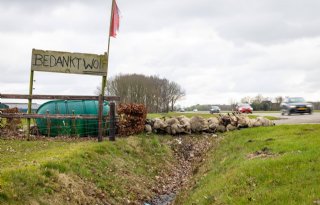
pixel 165 199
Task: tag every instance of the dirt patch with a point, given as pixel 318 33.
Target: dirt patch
pixel 73 190
pixel 263 153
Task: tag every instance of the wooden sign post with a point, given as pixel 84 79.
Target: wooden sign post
pixel 30 103
pixel 73 63
pixel 65 62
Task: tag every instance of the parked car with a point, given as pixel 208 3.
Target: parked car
pixel 244 108
pixel 214 109
pixel 295 105
pixel 195 110
pixel 181 110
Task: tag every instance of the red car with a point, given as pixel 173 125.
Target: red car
pixel 244 108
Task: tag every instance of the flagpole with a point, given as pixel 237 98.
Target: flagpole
pixel 104 78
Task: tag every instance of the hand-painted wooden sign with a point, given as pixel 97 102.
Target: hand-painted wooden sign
pixel 65 62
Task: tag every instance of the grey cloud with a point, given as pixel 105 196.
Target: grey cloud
pixel 266 21
pixel 49 16
pixel 240 21
pixel 216 49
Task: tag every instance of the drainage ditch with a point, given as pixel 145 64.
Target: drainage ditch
pixel 190 152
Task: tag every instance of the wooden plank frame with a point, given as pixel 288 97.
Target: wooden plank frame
pixel 58 97
pixel 48 116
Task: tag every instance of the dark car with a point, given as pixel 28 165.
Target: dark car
pixel 295 105
pixel 214 109
pixel 244 108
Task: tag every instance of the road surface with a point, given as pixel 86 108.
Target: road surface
pixel 285 119
pixel 294 118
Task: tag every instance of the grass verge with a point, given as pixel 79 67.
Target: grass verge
pixel 266 165
pixel 87 172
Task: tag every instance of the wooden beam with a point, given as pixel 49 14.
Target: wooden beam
pixel 58 97
pixel 47 116
pixel 112 115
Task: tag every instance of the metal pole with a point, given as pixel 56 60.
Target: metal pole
pixel 30 103
pixel 100 113
pixel 104 78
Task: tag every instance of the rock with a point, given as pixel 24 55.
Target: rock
pixel 221 128
pixel 316 201
pixel 198 124
pixel 148 128
pixel 231 127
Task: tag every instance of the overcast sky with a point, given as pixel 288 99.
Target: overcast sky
pixel 217 50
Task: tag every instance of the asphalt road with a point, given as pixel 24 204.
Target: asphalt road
pixel 291 119
pixel 294 118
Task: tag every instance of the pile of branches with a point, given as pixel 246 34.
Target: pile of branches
pixel 9 125
pixel 131 118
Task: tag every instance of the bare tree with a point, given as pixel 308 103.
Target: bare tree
pixel 258 99
pixel 159 95
pixel 233 103
pixel 279 99
pixel 246 99
pixel 175 93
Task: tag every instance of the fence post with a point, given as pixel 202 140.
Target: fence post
pixel 30 103
pixel 112 131
pixel 48 125
pixel 74 129
pixel 100 113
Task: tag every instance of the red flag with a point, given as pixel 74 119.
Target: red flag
pixel 115 21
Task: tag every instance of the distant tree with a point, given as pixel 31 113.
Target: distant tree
pixel 266 105
pixel 258 99
pixel 233 103
pixel 279 99
pixel 175 93
pixel 246 99
pixel 157 94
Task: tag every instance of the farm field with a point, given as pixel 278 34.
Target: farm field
pixel 272 165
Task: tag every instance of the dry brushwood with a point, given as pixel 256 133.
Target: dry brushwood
pixel 132 119
pixel 11 124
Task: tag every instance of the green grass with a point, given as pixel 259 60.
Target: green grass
pixel 291 176
pixel 266 111
pixel 41 171
pixel 268 117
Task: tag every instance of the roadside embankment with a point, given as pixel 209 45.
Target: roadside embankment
pixel 131 170
pixel 265 165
